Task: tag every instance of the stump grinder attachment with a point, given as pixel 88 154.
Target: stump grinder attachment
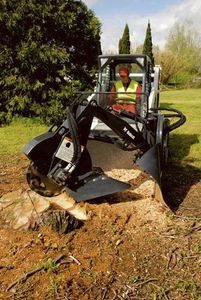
pixel 96 138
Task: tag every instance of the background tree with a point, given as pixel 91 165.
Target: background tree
pixel 48 50
pixel 138 49
pixel 169 65
pixel 124 42
pixel 185 42
pixel 147 46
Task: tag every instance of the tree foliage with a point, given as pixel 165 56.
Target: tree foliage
pixel 185 42
pixel 48 51
pixel 124 42
pixel 168 63
pixel 147 46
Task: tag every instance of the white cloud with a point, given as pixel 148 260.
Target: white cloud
pixel 187 10
pixel 90 3
pixel 161 22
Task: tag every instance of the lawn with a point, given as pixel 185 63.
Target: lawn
pixel 17 134
pixel 185 142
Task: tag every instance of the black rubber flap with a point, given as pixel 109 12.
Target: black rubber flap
pixel 150 163
pixel 97 186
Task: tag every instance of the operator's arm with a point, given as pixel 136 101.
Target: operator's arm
pixel 112 94
pixel 138 98
pixel 138 90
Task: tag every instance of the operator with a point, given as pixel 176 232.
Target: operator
pixel 125 101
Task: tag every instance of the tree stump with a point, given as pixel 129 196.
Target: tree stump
pixel 27 210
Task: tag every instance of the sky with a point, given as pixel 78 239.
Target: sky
pixel 162 15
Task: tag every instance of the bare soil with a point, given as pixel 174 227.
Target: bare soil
pixel 120 253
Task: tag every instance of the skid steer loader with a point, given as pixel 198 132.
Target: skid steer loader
pixel 95 137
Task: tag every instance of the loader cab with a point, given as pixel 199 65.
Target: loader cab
pixel 141 71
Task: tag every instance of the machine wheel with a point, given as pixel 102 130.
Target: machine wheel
pixel 165 144
pixel 165 149
pixel 162 138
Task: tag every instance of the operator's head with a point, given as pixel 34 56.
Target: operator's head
pixel 124 74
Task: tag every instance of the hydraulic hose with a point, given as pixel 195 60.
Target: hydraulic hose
pixel 73 128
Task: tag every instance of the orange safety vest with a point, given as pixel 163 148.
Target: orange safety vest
pixel 121 93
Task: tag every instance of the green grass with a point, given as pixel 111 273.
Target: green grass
pixel 185 142
pixel 14 137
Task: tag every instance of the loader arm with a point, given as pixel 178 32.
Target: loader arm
pixel 121 128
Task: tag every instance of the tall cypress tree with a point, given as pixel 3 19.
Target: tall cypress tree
pixel 147 46
pixel 124 42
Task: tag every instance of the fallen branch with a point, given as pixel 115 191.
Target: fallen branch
pixel 6 267
pixel 146 281
pixel 172 258
pixel 196 228
pixel 30 273
pixel 75 260
pixel 23 277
